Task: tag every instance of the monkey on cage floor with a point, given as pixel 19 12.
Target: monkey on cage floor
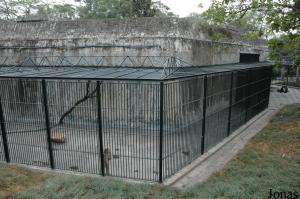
pixel 107 158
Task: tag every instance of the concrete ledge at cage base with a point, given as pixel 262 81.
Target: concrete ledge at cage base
pixel 230 146
pixel 59 172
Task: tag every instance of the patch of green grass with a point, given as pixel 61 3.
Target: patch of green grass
pixel 98 187
pixel 271 160
pixel 16 179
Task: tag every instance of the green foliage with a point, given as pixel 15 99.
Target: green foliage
pixel 215 32
pixel 88 9
pixel 263 17
pixel 66 11
pixel 13 8
pixel 7 9
pixel 285 46
pixel 161 10
pixel 105 9
pixel 252 35
pixel 27 7
pixel 124 8
pixel 216 14
pixel 143 8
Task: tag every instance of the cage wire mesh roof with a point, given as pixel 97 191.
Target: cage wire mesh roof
pixel 110 67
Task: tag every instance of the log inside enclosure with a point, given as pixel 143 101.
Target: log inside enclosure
pixel 57 138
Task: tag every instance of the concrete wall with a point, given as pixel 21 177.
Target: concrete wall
pixel 127 37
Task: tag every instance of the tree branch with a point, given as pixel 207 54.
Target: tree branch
pixel 87 96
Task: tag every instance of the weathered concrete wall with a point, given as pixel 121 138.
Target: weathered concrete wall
pixel 127 37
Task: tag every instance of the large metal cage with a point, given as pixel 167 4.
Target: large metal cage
pixel 134 117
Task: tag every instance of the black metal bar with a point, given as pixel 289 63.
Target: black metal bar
pixel 100 127
pixel 4 137
pixel 204 115
pixel 161 130
pixel 269 84
pixel 47 121
pixel 230 105
pixel 249 76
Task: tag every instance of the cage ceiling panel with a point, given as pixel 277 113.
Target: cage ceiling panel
pixel 129 68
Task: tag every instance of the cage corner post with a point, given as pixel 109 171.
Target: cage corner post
pixel 269 85
pixel 47 123
pixel 248 95
pixel 204 115
pixel 161 131
pixel 230 104
pixel 3 132
pixel 100 133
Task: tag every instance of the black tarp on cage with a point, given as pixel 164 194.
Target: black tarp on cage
pixel 133 117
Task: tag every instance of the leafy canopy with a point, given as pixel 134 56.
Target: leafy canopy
pixel 87 9
pixel 277 20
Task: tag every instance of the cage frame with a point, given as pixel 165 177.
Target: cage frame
pixel 173 74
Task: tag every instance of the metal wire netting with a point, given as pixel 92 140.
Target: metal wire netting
pixel 145 130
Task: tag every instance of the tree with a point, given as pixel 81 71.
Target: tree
pixel 8 9
pixel 122 9
pixel 105 9
pixel 11 9
pixel 143 8
pixel 162 10
pixel 279 19
pixel 149 8
pixel 27 7
pixel 281 15
pixel 89 9
pixel 66 11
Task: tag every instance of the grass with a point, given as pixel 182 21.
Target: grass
pixel 271 160
pixel 17 179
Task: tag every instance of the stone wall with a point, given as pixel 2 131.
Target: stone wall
pixel 126 37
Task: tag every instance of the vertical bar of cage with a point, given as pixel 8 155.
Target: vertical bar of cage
pixel 161 129
pixel 100 133
pixel 269 85
pixel 204 115
pixel 230 105
pixel 4 136
pixel 248 80
pixel 47 123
